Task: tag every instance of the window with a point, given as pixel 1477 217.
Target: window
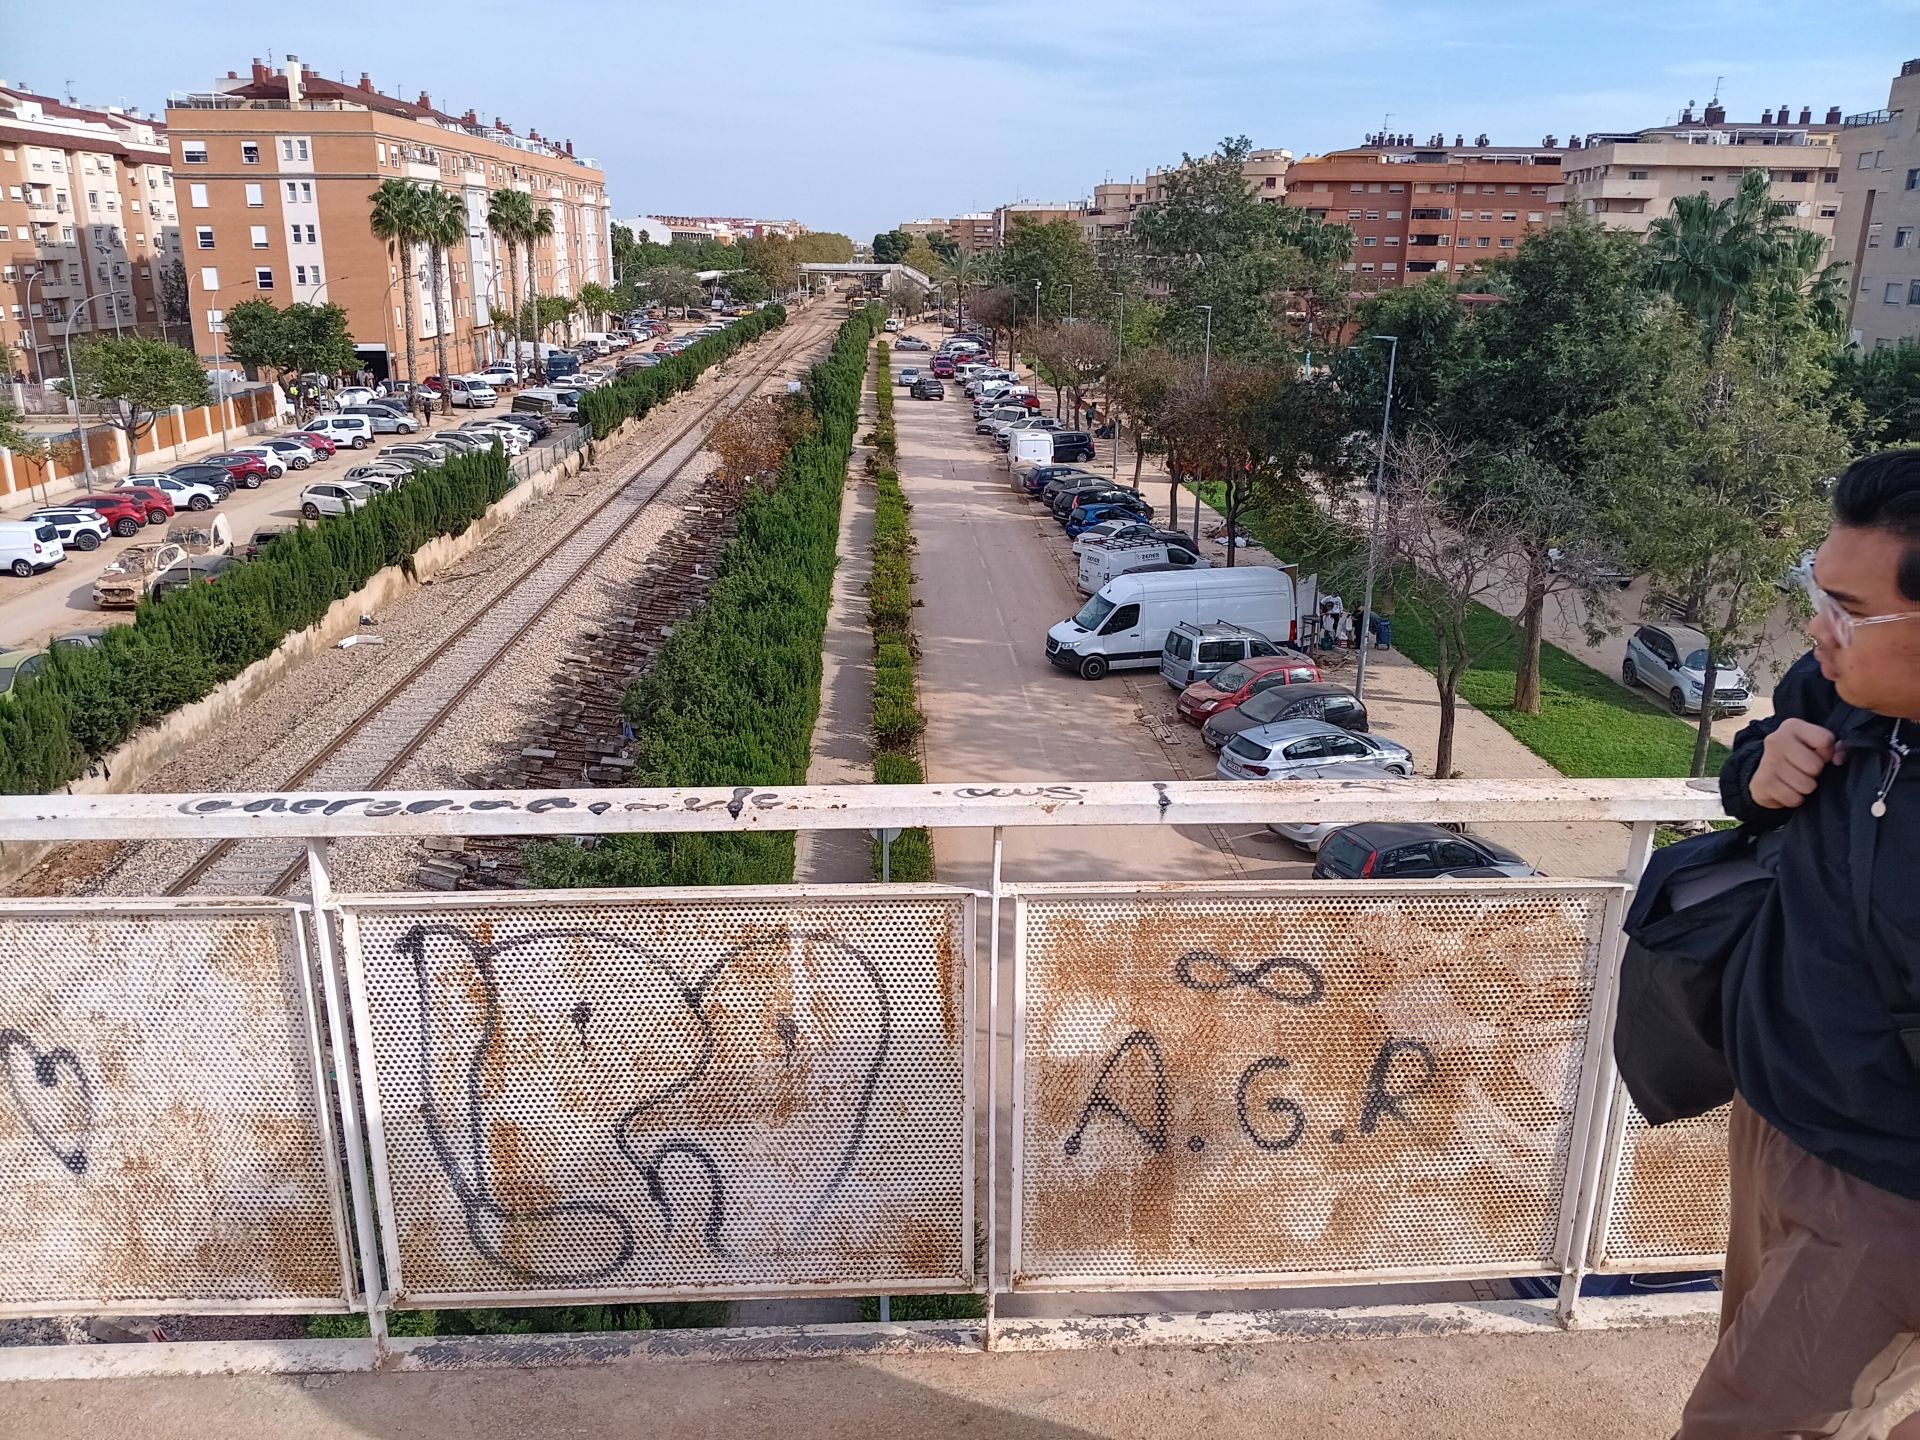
pixel 258 234
pixel 1320 187
pixel 1374 188
pixel 1865 162
pixel 310 236
pixel 1913 179
pixel 301 145
pixel 294 230
pixel 263 278
pixel 299 274
pixel 293 192
pixel 286 149
pixel 1369 240
pixel 93 199
pixel 1873 235
pixel 136 207
pixel 1903 237
pixel 255 198
pixel 1469 189
pixel 1357 188
pixel 1393 214
pixel 193 152
pixel 249 152
pixel 1892 293
pixel 1396 189
pixel 197 196
pixel 1706 179
pixel 1390 266
pixel 306 192
pixel 1353 214
pixel 1367 265
pixel 204 234
pixel 1913 292
pixel 6 232
pixel 1484 214
pixel 1536 189
pixel 1373 214
pixel 1484 241
pixel 1508 216
pixel 1801 177
pixel 1506 242
pixel 209 278
pixel 1536 217
pixel 1828 212
pixel 1393 240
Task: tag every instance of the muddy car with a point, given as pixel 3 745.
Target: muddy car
pixel 134 573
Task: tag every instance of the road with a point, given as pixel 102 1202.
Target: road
pixel 61 599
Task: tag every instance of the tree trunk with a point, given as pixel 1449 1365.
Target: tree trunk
pixel 1139 452
pixel 513 289
pixel 406 308
pixel 1703 735
pixel 439 332
pixel 1449 711
pixel 1173 493
pixel 533 316
pixel 1526 670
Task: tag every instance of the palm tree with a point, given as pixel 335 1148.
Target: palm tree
pixel 1709 254
pixel 539 227
pixel 397 218
pixel 443 225
pixel 509 213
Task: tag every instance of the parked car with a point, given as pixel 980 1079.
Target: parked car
pixel 1090 510
pixel 928 389
pixel 274 460
pixel 422 449
pixel 1243 680
pixel 383 419
pixel 942 368
pixel 1070 445
pixel 29 545
pixel 19 665
pixel 1385 850
pixel 154 503
pixel 195 570
pixel 328 497
pixel 1100 567
pixel 261 539
pixel 988 423
pixel 134 572
pixel 297 454
pixel 1291 748
pixel 1671 660
pixel 535 425
pixel 1034 479
pixel 1197 650
pixel 1306 700
pixel 389 476
pixel 908 375
pixel 547 401
pixel 354 430
pixel 1003 432
pixel 1127 623
pixel 78 529
pixel 123 514
pixel 84 639
pixel 1120 530
pixel 1065 500
pixel 353 395
pixel 912 342
pixel 320 442
pixel 500 375
pixel 217 478
pixel 185 494
pixel 1310 835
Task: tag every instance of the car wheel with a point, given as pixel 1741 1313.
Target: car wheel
pixel 1629 673
pixel 1093 667
pixel 359 442
pixel 251 481
pixel 1676 701
pixel 1405 772
pixel 22 568
pixel 301 463
pixel 310 510
pixel 199 502
pixel 156 517
pixel 124 528
pixel 274 472
pixel 86 540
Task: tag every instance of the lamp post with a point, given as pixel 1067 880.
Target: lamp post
pixel 1373 535
pixel 1119 342
pixel 73 385
pixel 39 370
pixel 219 328
pixel 1206 383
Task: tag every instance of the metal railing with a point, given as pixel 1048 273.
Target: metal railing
pixel 373 1102
pixel 557 447
pixel 1866 117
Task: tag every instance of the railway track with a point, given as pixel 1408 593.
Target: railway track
pixel 378 743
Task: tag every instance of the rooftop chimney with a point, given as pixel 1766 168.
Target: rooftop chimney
pixel 366 81
pixel 1833 115
pixel 1552 142
pixel 569 149
pixel 1715 114
pixel 1766 117
pixel 1783 113
pixel 425 102
pixel 470 119
pixel 294 91
pixel 233 74
pixel 1459 139
pixel 1806 114
pixel 261 72
pixel 1686 115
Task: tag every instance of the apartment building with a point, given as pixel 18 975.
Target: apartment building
pixel 1433 209
pixel 1628 180
pixel 973 232
pixel 1879 222
pixel 1034 212
pixel 87 226
pixel 274 171
pixel 1114 203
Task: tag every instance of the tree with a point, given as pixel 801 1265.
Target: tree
pixel 1722 474
pixel 671 285
pixel 907 295
pixel 1427 320
pixel 253 339
pixel 597 301
pixel 890 247
pixel 943 245
pixel 1885 386
pixel 297 340
pixel 1074 358
pixel 138 378
pixel 443 225
pixel 771 258
pixel 997 309
pixel 1711 254
pixel 509 215
pixel 397 218
pixel 1140 389
pixel 176 301
pixel 1056 255
pixel 749 443
pixel 539 227
pixel 823 247
pixel 922 257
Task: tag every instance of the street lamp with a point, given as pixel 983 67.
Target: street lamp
pixel 73 385
pixel 1119 341
pixel 1206 382
pixel 1373 536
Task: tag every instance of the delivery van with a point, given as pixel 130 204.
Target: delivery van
pixel 29 545
pixel 1101 563
pixel 1125 624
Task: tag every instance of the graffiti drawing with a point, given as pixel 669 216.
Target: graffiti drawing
pixel 61 1120
pixel 1104 1102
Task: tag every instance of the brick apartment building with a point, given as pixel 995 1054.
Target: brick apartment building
pixel 1433 209
pixel 1879 221
pixel 1114 203
pixel 86 226
pixel 273 171
pixel 973 232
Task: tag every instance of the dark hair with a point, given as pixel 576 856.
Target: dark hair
pixel 1882 492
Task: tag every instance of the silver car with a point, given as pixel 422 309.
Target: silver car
pixel 1288 749
pixel 1310 835
pixel 1671 661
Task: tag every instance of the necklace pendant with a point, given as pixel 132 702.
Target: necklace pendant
pixel 1879 809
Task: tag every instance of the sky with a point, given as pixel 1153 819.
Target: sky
pixel 855 115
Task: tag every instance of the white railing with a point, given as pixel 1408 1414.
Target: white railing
pixel 371 1102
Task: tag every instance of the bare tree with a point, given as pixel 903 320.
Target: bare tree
pixel 1072 357
pixel 996 310
pixel 751 442
pixel 1140 389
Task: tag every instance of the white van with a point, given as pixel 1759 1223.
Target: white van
pixel 29 545
pixel 599 340
pixel 1101 563
pixel 1125 625
pixel 473 392
pixel 354 430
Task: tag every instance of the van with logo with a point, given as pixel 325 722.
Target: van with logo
pixel 1101 563
pixel 27 546
pixel 1126 623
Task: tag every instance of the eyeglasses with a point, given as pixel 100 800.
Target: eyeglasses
pixel 1837 618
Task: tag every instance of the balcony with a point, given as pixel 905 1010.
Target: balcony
pixel 1867 117
pixel 1034 1064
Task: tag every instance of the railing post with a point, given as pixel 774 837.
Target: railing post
pixel 345 1068
pixel 993 1092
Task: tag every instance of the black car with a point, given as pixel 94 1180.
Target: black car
pixel 203 472
pixel 1130 500
pixel 1314 700
pixel 929 389
pixel 202 570
pixel 1036 480
pixel 1072 445
pixel 1388 851
pixel 262 538
pixel 1066 499
pixel 535 425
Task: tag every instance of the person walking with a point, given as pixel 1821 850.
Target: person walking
pixel 1820 1007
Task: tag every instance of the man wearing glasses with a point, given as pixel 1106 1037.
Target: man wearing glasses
pixel 1821 1007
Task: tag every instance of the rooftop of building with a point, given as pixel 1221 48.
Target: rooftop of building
pixel 1712 127
pixel 294 87
pixel 113 129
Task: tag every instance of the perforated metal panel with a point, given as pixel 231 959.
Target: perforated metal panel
pixel 668 1092
pixel 161 1141
pixel 1664 1197
pixel 1266 1085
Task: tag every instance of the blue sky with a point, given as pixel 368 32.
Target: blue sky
pixel 855 114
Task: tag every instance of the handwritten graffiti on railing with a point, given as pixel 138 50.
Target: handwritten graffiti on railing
pixel 61 1119
pixel 595 1096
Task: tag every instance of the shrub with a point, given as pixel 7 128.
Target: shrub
pixel 606 409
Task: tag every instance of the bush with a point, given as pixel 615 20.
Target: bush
pixel 606 409
pixel 178 649
pixel 535 1320
pixel 732 696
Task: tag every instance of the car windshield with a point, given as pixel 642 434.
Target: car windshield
pixel 7 672
pixel 1231 678
pixel 1094 612
pixel 1697 660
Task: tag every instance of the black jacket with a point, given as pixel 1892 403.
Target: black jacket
pixel 1811 1038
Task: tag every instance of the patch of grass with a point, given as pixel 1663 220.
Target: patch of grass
pixel 926 1307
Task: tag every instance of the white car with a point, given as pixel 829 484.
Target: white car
pixel 500 375
pixel 78 529
pixel 512 438
pixel 295 450
pixel 473 392
pixel 185 494
pixel 275 461
pixel 354 395
pixel 332 497
pixel 379 476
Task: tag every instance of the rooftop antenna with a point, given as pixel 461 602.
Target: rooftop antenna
pixel 72 99
pixel 1716 89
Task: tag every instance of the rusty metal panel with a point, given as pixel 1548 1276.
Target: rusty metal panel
pixel 1279 1084
pixel 634 1093
pixel 1664 1196
pixel 163 1144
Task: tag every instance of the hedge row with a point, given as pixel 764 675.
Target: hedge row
pixel 607 408
pixel 897 721
pixel 732 696
pixel 85 702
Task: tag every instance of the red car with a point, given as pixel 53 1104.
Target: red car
pixel 942 368
pixel 660 348
pixel 324 444
pixel 247 470
pixel 124 515
pixel 1241 681
pixel 151 499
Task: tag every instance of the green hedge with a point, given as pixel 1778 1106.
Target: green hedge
pixel 897 721
pixel 732 696
pixel 179 648
pixel 606 409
